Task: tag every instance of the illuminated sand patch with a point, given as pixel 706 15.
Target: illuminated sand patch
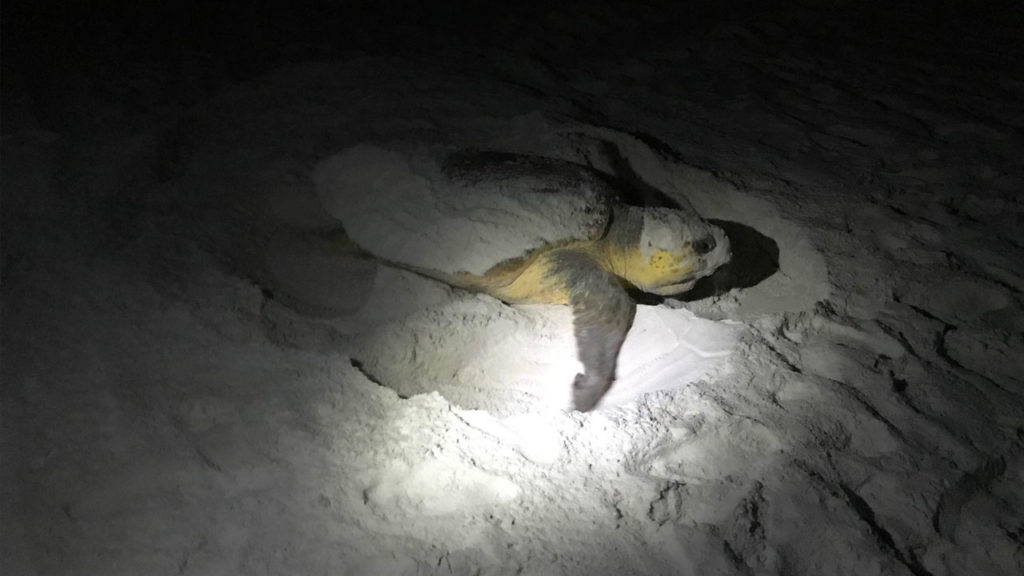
pixel 438 488
pixel 481 354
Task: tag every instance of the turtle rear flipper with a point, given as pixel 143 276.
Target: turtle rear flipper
pixel 602 315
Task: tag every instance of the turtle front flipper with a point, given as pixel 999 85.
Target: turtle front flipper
pixel 602 315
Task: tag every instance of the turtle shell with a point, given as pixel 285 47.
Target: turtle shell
pixel 460 211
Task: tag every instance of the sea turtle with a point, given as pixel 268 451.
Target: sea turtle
pixel 524 229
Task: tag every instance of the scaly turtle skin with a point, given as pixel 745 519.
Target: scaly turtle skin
pixel 524 229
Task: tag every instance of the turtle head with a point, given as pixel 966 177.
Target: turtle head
pixel 669 250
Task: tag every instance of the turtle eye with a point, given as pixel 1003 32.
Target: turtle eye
pixel 704 245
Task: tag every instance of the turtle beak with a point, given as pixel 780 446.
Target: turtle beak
pixel 672 289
